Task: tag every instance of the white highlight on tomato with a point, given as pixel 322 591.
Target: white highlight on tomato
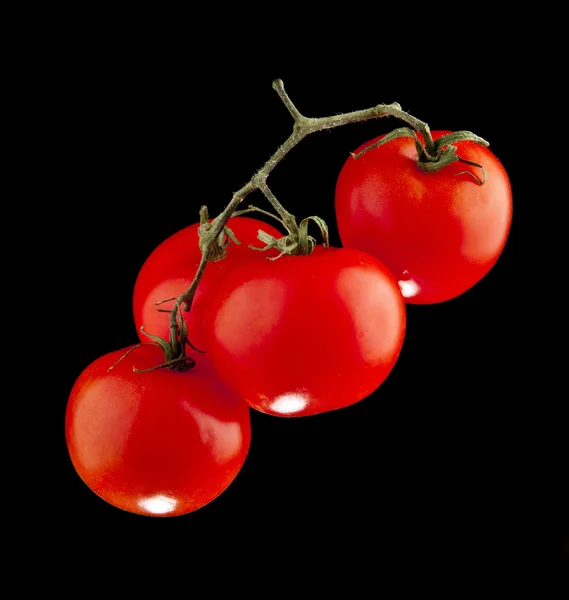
pixel 158 505
pixel 224 439
pixel 408 287
pixel 288 404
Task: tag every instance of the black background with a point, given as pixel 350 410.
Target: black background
pixel 454 468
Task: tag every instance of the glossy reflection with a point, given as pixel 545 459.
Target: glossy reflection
pixel 408 286
pixel 158 505
pixel 289 404
pixel 224 439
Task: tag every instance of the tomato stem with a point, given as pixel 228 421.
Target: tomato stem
pixel 297 241
pixel 252 208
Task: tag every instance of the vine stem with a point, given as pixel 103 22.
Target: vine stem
pixel 303 126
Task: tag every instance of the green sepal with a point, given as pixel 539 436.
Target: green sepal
pixel 303 234
pixel 164 345
pixel 396 133
pixel 458 136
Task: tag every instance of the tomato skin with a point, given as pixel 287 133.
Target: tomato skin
pixel 306 334
pixel 170 269
pixel 162 443
pixel 439 233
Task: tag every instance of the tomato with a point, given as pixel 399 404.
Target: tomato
pixel 440 232
pixel 160 443
pixel 308 334
pixel 170 269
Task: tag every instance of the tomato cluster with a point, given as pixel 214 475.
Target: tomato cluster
pixel 293 336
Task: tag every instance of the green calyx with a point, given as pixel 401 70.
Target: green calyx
pixel 297 242
pixel 434 155
pixel 172 361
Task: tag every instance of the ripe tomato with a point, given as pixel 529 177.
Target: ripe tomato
pixel 161 443
pixel 439 233
pixel 170 269
pixel 306 334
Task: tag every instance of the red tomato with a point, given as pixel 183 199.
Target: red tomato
pixel 170 269
pixel 439 233
pixel 161 443
pixel 306 334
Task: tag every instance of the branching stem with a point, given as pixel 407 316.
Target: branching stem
pixel 303 126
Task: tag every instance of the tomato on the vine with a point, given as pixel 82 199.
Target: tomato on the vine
pixel 303 335
pixel 170 269
pixel 438 232
pixel 157 443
